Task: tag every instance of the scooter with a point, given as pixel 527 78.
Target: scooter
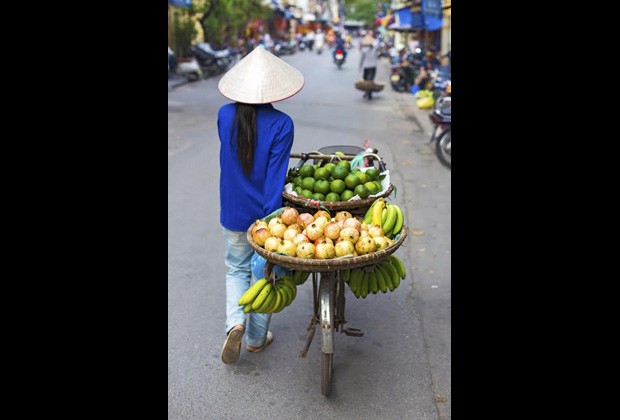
pixel 339 58
pixel 183 67
pixel 441 117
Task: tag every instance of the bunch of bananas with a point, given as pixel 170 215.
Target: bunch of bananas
pixel 382 276
pixel 267 297
pixel 389 216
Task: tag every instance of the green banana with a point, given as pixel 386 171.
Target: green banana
pixel 260 299
pixel 283 291
pixel 252 292
pixel 353 280
pixel 390 220
pixel 380 280
pixel 277 302
pixel 384 214
pixel 387 277
pixel 400 267
pixel 289 281
pixel 285 287
pixel 346 274
pixel 393 273
pixel 373 284
pixel 400 219
pixel 365 284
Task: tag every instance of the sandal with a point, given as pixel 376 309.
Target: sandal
pixel 232 347
pixel 268 341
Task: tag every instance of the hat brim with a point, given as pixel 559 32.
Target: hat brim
pixel 260 78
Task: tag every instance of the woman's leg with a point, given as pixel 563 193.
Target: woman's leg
pixel 237 259
pixel 258 323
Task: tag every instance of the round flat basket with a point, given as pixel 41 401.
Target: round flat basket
pixel 368 85
pixel 332 264
pixel 355 207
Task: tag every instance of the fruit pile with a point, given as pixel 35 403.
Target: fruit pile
pixel 380 277
pixel 389 216
pixel 318 235
pixel 269 297
pixel 334 181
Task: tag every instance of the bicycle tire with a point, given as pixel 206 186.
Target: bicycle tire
pixel 327 361
pixel 443 147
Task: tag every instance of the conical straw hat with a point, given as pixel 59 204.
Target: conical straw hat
pixel 261 78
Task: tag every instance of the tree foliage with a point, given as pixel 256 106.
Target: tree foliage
pixel 223 20
pixel 362 10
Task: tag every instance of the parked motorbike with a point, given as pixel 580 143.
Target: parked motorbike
pixel 440 83
pixel 339 58
pixel 441 117
pixel 183 67
pixel 212 62
pixel 284 48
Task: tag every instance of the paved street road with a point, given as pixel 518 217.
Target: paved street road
pixel 401 367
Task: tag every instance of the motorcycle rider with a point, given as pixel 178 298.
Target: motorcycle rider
pixel 340 44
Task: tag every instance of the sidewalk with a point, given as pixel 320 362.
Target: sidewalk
pixel 176 81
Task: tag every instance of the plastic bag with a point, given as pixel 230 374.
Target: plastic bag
pixel 257 264
pixel 425 102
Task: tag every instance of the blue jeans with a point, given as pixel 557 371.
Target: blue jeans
pixel 238 259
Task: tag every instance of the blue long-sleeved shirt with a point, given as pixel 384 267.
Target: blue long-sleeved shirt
pixel 244 199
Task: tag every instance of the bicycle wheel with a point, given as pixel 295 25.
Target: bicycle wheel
pixel 443 148
pixel 326 317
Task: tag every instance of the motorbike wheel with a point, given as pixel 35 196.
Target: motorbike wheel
pixel 443 148
pixel 401 87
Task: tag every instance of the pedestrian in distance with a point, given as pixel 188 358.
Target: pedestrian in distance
pixel 368 59
pixel 255 145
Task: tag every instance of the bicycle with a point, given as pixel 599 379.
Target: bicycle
pixel 328 284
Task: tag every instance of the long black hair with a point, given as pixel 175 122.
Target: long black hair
pixel 245 121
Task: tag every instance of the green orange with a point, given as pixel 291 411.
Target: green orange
pixel 337 186
pixel 332 196
pixel 322 186
pixel 321 173
pixel 306 170
pixel 362 191
pixel 346 195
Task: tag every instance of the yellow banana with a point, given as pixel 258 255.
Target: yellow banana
pixel 252 292
pixel 263 309
pixel 380 280
pixel 368 215
pixel 400 267
pixel 376 211
pixel 393 273
pixel 400 219
pixel 384 214
pixel 390 220
pixel 260 299
pixel 247 308
pixel 373 286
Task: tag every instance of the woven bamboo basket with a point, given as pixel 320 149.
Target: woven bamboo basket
pixel 355 207
pixel 368 85
pixel 332 264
